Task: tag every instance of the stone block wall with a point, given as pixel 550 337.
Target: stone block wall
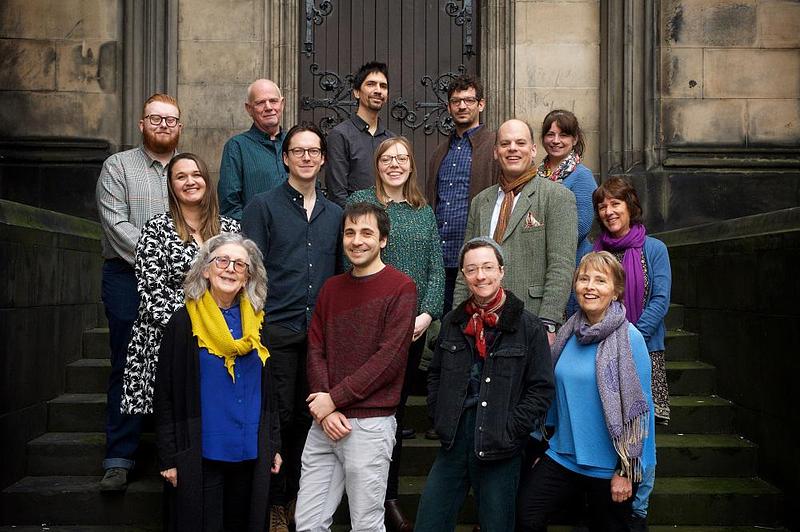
pixel 49 294
pixel 60 68
pixel 557 65
pixel 737 280
pixel 730 72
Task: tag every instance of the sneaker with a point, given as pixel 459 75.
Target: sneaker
pixel 115 479
pixel 278 520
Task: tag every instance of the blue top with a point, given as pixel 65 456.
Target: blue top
pixel 452 207
pixel 581 442
pixel 229 411
pixel 252 163
pixel 299 254
pixel 581 182
pixel 659 273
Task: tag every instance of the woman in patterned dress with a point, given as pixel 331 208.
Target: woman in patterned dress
pixel 648 282
pixel 164 253
pixel 414 249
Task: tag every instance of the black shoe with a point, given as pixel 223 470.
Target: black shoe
pixel 115 479
pixel 394 518
pixel 431 434
pixel 637 524
pixel 409 434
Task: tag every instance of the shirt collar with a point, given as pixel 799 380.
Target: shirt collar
pixel 361 125
pixel 468 133
pixel 260 136
pixel 150 160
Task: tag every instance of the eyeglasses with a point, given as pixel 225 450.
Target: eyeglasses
pixel 155 120
pixel 472 271
pixel 222 263
pixel 299 153
pixel 470 101
pixel 273 102
pixel 386 160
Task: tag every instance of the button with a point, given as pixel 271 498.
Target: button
pixel 309 286
pixel 442 241
pixel 480 429
pixel 451 184
pixel 309 243
pixel 459 149
pixel 445 223
pixel 480 453
pixel 448 203
pixel 454 164
pixel 239 401
pixel 310 265
pixel 483 403
pixel 488 379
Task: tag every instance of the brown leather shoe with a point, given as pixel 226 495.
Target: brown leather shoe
pixel 394 518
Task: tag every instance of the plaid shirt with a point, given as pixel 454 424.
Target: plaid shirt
pixel 453 204
pixel 132 188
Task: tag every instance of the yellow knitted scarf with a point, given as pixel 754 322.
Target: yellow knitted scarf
pixel 212 332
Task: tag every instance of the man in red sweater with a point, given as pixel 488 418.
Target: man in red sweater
pixel 357 348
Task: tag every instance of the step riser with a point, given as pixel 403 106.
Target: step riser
pixel 82 379
pixel 95 344
pixel 691 382
pixel 682 347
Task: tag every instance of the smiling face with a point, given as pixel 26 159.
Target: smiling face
pixel 187 182
pixel 465 115
pixel 304 166
pixel 265 106
pixel 363 244
pixel 372 94
pixel 595 290
pixel 160 139
pixel 514 149
pixel 392 170
pixel 557 143
pixel 482 273
pixel 226 283
pixel 615 216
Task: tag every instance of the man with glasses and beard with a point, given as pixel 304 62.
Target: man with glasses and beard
pixel 131 189
pixel 298 230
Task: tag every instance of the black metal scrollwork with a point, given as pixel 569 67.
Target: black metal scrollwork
pixel 435 117
pixel 463 17
pixel 314 16
pixel 340 101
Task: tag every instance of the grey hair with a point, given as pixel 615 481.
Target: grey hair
pixel 481 242
pixel 195 285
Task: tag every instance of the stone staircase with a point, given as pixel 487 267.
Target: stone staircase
pixel 706 477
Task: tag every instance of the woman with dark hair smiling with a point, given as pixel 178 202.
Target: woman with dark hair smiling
pixel 216 432
pixel 164 253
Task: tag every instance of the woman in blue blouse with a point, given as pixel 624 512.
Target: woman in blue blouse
pixel 602 417
pixel 216 434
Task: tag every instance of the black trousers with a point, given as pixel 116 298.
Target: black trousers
pixel 548 488
pixel 288 352
pixel 412 372
pixel 226 495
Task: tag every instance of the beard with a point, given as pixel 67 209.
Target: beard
pixel 160 143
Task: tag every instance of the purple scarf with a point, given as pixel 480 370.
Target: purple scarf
pixel 631 244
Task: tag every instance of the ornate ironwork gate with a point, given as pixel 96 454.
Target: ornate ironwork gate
pixel 424 43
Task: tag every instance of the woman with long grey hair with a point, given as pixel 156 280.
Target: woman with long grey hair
pixel 216 434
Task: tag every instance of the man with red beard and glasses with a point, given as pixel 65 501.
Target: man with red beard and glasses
pixel 131 189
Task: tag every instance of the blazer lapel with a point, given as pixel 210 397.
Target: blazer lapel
pixel 522 207
pixel 486 210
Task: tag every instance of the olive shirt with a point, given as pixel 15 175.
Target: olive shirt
pixel 413 248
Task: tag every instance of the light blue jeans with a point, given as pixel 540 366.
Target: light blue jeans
pixel 642 499
pixel 357 464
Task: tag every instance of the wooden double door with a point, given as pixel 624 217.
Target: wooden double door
pixel 425 43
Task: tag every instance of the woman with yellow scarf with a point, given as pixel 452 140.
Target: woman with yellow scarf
pixel 216 434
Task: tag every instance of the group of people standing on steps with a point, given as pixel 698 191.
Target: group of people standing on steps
pixel 275 328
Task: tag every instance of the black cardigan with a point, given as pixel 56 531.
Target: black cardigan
pixel 178 430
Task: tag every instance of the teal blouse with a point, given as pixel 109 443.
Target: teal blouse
pixel 413 248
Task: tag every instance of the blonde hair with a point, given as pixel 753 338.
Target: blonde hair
pixel 410 189
pixel 603 261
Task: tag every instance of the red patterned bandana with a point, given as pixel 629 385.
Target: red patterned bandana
pixel 481 316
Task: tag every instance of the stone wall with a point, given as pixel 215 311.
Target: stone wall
pixel 738 282
pixel 730 72
pixel 557 65
pixel 59 73
pixel 50 269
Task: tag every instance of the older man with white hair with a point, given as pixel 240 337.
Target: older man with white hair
pixel 251 161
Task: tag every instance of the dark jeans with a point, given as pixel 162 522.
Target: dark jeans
pixel 548 487
pixel 494 483
pixel 414 357
pixel 226 495
pixel 450 276
pixel 121 303
pixel 288 351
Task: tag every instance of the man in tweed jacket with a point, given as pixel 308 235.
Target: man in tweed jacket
pixel 540 236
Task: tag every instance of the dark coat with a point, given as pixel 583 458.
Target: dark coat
pixel 178 430
pixel 516 385
pixel 485 171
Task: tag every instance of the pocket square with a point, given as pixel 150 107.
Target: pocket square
pixel 531 221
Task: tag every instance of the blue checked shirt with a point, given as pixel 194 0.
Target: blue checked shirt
pixel 453 204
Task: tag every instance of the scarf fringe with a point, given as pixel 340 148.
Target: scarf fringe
pixel 633 435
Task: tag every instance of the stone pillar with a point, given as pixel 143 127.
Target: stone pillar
pixel 281 46
pixel 497 59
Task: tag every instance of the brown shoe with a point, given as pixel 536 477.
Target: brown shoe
pixel 394 518
pixel 278 519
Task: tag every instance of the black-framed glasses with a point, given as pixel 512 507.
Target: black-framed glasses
pixel 299 153
pixel 222 263
pixel 470 101
pixel 156 120
pixel 386 160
